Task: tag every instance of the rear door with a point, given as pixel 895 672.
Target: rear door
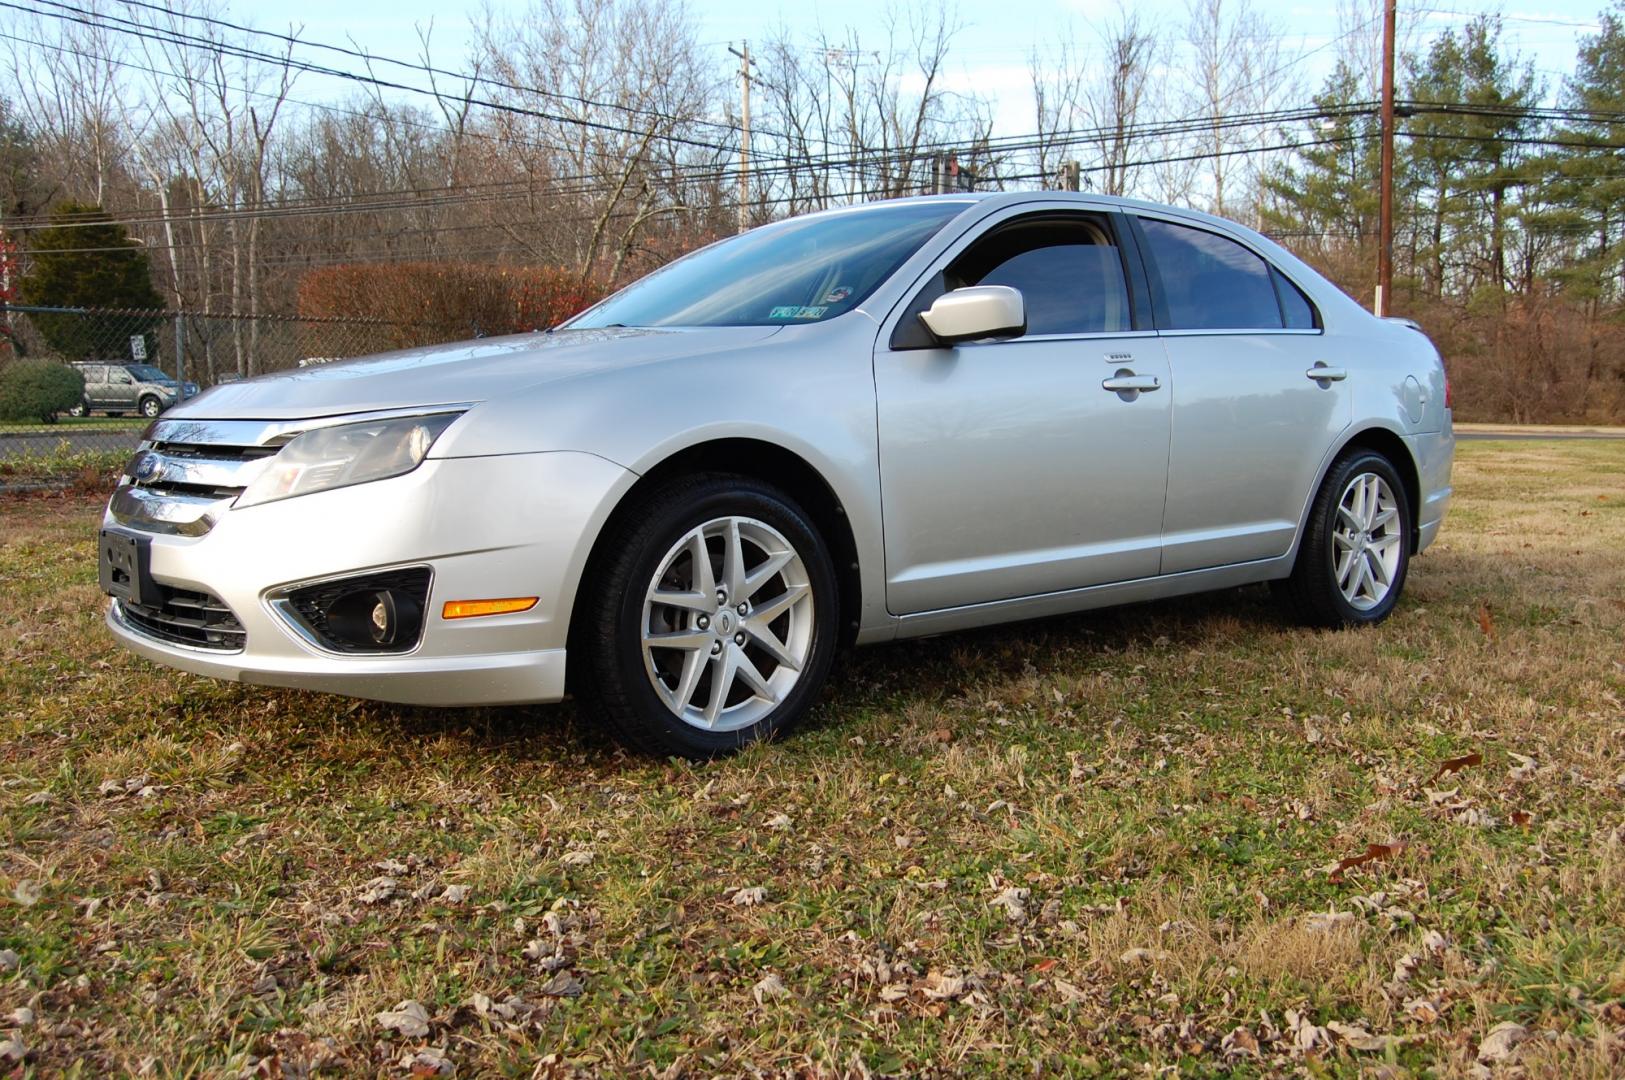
pixel 1011 468
pixel 96 385
pixel 1251 419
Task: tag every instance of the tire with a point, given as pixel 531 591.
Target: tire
pixel 151 407
pixel 637 692
pixel 79 410
pixel 1323 590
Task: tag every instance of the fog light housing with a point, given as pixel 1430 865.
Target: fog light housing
pixel 380 612
pixel 381 618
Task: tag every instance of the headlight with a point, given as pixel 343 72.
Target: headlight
pixel 334 457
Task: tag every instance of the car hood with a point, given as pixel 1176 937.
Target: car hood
pixel 464 372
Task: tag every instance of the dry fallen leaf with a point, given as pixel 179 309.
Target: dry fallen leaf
pixel 377 890
pixel 409 1018
pixel 1327 921
pixel 429 1062
pixel 750 897
pixel 1451 766
pixel 577 858
pixel 563 985
pixel 1014 902
pixel 455 894
pixel 770 986
pixel 1372 853
pixel 26 893
pixel 1501 1042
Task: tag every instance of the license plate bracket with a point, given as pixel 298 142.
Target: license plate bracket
pixel 124 567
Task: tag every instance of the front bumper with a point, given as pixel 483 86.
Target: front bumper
pixel 515 525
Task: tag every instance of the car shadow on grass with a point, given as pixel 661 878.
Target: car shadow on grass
pixel 883 678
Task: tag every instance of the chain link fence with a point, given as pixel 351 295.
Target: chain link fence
pixel 78 385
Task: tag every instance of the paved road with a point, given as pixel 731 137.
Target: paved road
pixel 1525 436
pixel 42 443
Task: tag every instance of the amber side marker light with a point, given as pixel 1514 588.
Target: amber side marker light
pixel 469 609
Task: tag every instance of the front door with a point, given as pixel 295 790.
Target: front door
pixel 1020 467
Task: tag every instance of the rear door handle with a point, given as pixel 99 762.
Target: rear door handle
pixel 1321 373
pixel 1127 383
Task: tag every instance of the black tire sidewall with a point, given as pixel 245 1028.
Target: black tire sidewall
pixel 1323 559
pixel 666 519
pixel 150 402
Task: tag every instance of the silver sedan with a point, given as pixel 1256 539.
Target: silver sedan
pixel 851 427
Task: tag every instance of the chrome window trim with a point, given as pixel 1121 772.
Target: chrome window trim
pixel 1241 331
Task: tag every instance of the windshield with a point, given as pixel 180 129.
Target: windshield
pixel 806 269
pixel 148 373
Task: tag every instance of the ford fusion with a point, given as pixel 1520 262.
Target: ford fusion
pixel 855 426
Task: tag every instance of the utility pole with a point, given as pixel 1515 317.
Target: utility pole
pixel 744 132
pixel 1385 223
pixel 1071 175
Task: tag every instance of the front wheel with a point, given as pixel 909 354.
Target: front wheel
pixel 151 407
pixel 1356 550
pixel 711 622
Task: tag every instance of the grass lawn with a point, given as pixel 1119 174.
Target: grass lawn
pixel 1091 844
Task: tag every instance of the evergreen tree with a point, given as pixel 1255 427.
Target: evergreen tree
pixel 1588 180
pixel 84 259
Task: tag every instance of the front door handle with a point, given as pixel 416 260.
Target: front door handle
pixel 1323 374
pixel 1126 382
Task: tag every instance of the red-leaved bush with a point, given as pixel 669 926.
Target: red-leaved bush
pixel 424 301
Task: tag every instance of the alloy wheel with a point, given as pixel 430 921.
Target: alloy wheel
pixel 1366 541
pixel 727 623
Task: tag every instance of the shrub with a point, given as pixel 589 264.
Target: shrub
pixel 439 301
pixel 38 390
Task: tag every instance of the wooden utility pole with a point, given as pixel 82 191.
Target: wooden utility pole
pixel 743 52
pixel 1385 223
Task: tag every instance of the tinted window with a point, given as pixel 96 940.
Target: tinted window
pixel 1210 282
pixel 806 269
pixel 1069 273
pixel 1296 309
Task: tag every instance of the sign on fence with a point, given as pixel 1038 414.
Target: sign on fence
pixel 138 347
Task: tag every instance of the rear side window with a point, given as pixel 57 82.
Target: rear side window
pixel 1211 282
pixel 1069 272
pixel 1296 310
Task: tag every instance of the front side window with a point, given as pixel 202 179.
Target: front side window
pixel 1210 282
pixel 147 373
pixel 806 269
pixel 1068 271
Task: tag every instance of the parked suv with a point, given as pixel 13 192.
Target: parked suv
pixel 120 388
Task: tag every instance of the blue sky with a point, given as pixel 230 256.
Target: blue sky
pixel 989 55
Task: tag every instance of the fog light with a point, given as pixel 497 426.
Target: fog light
pixel 379 618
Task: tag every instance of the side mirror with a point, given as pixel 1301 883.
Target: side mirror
pixel 981 311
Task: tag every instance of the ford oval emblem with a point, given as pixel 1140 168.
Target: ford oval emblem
pixel 147 468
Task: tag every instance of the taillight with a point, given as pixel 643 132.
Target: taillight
pixel 1448 401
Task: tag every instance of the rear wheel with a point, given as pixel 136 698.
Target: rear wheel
pixel 80 409
pixel 1355 553
pixel 711 622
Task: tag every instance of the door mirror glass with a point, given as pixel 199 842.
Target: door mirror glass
pixel 981 311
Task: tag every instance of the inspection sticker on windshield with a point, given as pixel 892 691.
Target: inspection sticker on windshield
pixel 797 313
pixel 837 294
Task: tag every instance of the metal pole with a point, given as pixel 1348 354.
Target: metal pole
pixel 180 350
pixel 1385 225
